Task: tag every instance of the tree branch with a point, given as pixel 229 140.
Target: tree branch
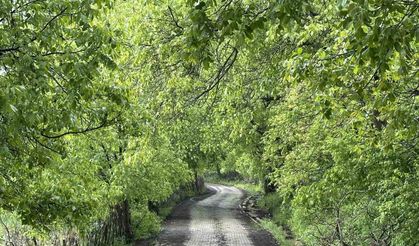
pixel 173 18
pixel 104 123
pixel 46 146
pixel 221 72
pixel 4 50
pixel 49 22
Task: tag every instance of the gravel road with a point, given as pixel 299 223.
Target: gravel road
pixel 213 220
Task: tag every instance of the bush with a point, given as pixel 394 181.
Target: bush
pixel 280 211
pixel 145 223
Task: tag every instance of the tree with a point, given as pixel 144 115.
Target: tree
pixel 316 99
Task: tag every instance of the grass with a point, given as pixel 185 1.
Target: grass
pixel 277 232
pixel 278 224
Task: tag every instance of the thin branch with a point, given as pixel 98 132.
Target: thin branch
pixel 62 52
pixel 88 129
pixel 49 22
pixel 24 5
pixel 104 123
pixel 4 50
pixel 344 54
pixel 53 18
pixel 57 82
pixel 46 146
pixel 223 7
pixel 173 18
pixel 8 240
pixel 221 72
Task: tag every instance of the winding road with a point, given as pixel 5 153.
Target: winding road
pixel 214 220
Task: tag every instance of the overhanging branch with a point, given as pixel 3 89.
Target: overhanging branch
pixel 105 123
pixel 174 18
pixel 221 73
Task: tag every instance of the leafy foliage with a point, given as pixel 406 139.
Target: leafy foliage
pixel 103 103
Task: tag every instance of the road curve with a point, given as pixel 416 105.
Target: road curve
pixel 214 220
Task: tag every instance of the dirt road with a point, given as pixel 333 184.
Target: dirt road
pixel 214 220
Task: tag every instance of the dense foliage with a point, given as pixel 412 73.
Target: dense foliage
pixel 114 105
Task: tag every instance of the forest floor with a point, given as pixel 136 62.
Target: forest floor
pixel 214 219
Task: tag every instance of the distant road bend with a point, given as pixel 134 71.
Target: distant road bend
pixel 215 220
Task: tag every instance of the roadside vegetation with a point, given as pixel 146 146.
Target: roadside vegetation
pixel 108 108
pixel 278 222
